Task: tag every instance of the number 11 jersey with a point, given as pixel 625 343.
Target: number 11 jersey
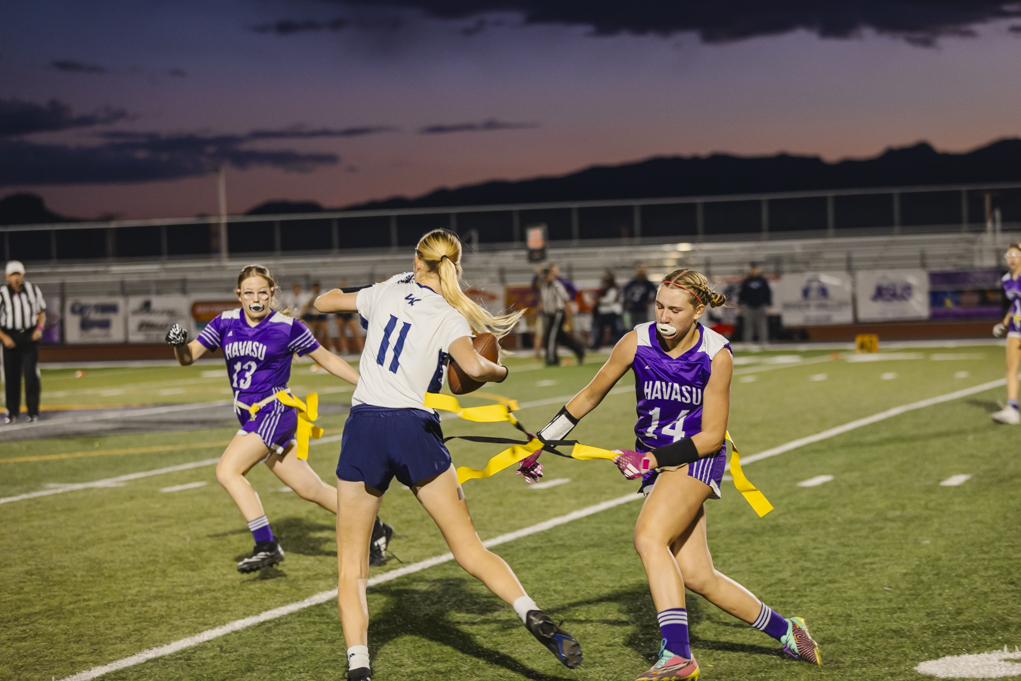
pixel 408 332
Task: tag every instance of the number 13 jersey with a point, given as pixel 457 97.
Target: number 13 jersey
pixel 409 329
pixel 258 357
pixel 670 390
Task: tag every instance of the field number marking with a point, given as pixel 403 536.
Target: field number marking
pixel 954 481
pixel 816 481
pixel 998 665
pixel 181 488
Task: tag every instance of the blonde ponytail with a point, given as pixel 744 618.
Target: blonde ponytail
pixel 697 286
pixel 440 251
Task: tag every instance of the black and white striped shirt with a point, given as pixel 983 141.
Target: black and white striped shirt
pixel 19 311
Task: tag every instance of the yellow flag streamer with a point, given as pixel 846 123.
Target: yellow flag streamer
pixel 507 457
pixel 308 412
pixel 754 497
pixel 490 413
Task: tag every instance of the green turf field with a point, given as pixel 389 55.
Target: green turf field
pixel 888 567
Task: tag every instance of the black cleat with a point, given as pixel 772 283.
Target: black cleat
pixel 265 554
pixel 560 643
pixel 360 674
pixel 381 534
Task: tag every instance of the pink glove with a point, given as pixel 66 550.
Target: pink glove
pixel 530 468
pixel 632 464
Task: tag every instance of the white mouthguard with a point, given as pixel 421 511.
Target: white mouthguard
pixel 666 329
pixel 256 307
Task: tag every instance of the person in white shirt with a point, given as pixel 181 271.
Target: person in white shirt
pixel 22 320
pixel 415 321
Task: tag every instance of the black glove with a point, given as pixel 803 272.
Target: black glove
pixel 177 336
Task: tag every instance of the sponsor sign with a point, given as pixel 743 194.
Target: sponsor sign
pixel 892 295
pixel 814 298
pixel 966 294
pixel 150 317
pixel 204 311
pixel 94 320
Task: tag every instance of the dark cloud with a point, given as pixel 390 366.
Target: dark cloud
pixel 922 22
pixel 291 26
pixel 71 66
pixel 177 73
pixel 128 157
pixel 485 126
pixel 23 118
pixel 1015 29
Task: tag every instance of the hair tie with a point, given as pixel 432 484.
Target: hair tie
pixel 674 283
pixel 444 256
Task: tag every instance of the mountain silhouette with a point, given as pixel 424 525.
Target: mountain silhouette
pixel 722 174
pixel 27 209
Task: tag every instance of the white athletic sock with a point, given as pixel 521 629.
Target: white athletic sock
pixel 358 657
pixel 523 605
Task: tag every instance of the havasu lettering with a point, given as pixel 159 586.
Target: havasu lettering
pixel 660 390
pixel 244 349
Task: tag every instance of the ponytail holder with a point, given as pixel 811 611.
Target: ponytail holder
pixel 444 256
pixel 674 283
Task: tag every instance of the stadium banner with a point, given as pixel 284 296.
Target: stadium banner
pixel 892 295
pixel 95 320
pixel 966 294
pixel 205 311
pixel 150 317
pixel 814 298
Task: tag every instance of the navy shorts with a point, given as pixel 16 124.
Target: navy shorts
pixel 380 444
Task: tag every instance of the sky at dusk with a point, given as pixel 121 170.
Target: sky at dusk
pixel 124 108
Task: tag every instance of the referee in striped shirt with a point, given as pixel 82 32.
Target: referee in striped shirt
pixel 22 317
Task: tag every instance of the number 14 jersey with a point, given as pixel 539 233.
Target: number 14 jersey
pixel 670 390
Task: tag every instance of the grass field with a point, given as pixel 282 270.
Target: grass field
pixel 888 567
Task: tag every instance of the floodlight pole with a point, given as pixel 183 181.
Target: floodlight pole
pixel 222 192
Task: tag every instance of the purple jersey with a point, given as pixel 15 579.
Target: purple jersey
pixel 670 390
pixel 1012 289
pixel 258 357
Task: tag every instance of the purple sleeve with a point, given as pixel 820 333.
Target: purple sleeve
pixel 210 336
pixel 301 341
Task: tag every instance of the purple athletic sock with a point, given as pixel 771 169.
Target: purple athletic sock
pixel 771 623
pixel 673 623
pixel 260 529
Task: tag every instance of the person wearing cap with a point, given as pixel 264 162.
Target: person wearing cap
pixel 755 298
pixel 22 318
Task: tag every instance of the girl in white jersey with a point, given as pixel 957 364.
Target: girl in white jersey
pixel 414 323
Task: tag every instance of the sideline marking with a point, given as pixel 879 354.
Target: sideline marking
pixel 110 452
pixel 326 596
pixel 980 666
pixel 117 414
pixel 550 483
pixel 954 481
pixel 181 488
pixel 816 481
pixel 875 418
pixel 818 377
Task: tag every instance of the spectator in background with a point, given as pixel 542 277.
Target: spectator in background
pixel 315 319
pixel 638 293
pixel 294 304
pixel 754 299
pixel 554 300
pixel 345 323
pixel 607 313
pixel 22 320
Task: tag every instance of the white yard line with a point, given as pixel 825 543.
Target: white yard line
pixel 326 596
pixel 786 365
pixel 955 480
pixel 816 481
pixel 121 414
pixel 181 488
pixel 869 420
pixel 555 482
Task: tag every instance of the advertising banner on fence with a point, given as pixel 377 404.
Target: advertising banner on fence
pixel 892 295
pixel 814 298
pixel 205 311
pixel 150 317
pixel 94 320
pixel 966 294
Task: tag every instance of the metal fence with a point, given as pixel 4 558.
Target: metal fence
pixel 705 219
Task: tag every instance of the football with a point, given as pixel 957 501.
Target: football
pixel 460 383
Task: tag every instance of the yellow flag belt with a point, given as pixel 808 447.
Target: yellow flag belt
pixel 492 413
pixel 308 411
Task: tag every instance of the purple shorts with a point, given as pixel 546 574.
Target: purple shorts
pixel 275 424
pixel 708 469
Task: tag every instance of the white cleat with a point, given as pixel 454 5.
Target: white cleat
pixel 1008 415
